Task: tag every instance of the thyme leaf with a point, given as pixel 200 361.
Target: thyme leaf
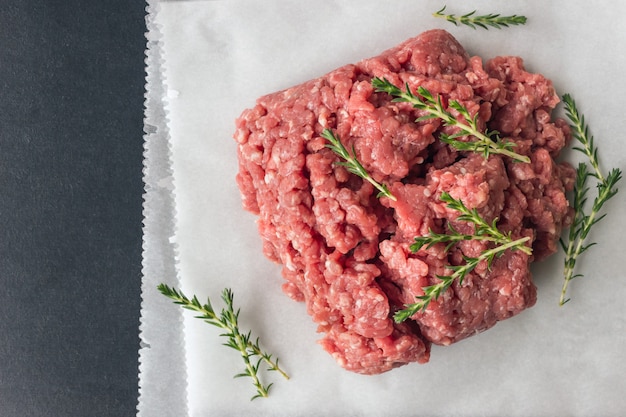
pixel 483 21
pixel 606 186
pixel 486 142
pixel 228 320
pixel 483 231
pixel 352 164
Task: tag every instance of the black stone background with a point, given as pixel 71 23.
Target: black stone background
pixel 71 123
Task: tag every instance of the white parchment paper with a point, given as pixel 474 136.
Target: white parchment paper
pixel 162 362
pixel 219 56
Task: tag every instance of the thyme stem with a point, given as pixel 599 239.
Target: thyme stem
pixel 484 21
pixel 486 143
pixel 606 188
pixel 228 319
pixel 433 292
pixel 483 231
pixel 352 164
pixel 582 135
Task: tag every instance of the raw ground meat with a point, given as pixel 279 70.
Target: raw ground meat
pixel 345 252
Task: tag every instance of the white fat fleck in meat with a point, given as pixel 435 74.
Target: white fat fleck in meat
pixel 269 176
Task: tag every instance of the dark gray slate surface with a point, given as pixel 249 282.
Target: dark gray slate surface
pixel 71 126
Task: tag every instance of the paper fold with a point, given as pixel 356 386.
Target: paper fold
pixel 162 367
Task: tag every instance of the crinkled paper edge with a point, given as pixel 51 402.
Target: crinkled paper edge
pixel 162 364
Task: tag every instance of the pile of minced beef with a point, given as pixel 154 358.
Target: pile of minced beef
pixel 345 252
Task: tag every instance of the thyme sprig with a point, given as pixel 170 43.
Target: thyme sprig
pixel 483 21
pixel 228 320
pixel 352 164
pixel 486 142
pixel 483 231
pixel 606 188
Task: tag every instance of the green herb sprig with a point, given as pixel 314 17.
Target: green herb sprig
pixel 228 320
pixel 483 21
pixel 483 231
pixel 486 142
pixel 352 164
pixel 606 189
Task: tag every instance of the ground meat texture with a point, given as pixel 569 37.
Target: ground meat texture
pixel 345 252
